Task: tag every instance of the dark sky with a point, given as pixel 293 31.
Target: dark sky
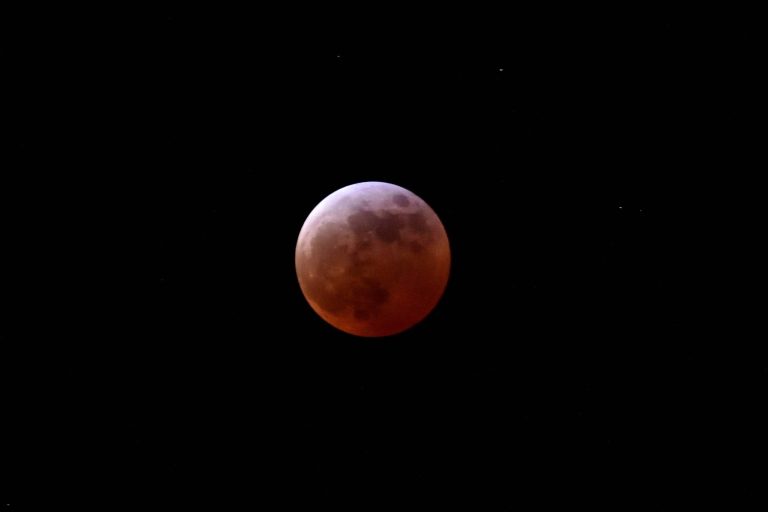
pixel 177 361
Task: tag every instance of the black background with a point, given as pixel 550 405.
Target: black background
pixel 170 357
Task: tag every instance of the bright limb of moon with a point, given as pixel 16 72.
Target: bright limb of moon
pixel 373 259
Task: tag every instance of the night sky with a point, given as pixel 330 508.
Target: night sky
pixel 172 359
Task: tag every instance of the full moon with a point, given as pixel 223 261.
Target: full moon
pixel 373 259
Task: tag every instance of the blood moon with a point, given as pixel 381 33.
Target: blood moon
pixel 373 259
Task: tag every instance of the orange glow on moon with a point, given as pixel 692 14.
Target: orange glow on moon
pixel 373 259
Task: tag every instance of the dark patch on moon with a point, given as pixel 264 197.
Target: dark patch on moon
pixel 418 222
pixel 358 260
pixel 400 200
pixel 362 244
pixel 416 246
pixel 386 227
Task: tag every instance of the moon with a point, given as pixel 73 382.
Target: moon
pixel 373 259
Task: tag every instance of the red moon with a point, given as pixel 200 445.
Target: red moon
pixel 373 259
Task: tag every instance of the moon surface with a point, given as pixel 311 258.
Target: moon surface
pixel 373 259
